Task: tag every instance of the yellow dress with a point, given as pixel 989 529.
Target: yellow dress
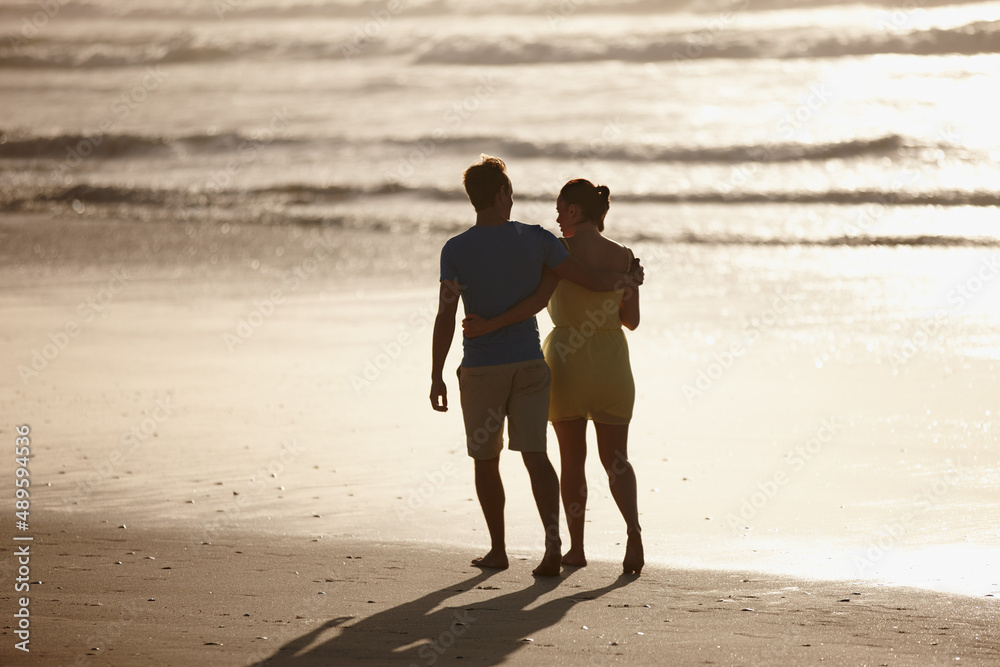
pixel 588 356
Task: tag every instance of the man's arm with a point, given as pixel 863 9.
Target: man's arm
pixel 444 332
pixel 598 281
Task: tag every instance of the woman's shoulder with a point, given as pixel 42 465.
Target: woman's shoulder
pixel 618 250
pixel 621 246
pixel 611 243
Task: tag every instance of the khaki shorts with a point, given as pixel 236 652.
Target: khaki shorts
pixel 518 392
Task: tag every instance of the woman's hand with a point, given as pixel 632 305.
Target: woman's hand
pixel 475 325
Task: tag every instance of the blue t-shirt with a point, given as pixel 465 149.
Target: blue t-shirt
pixel 496 268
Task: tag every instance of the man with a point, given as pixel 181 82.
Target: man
pixel 492 266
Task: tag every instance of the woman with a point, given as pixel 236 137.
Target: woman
pixel 588 356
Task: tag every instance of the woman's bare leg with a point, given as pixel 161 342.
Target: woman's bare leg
pixel 612 445
pixel 572 437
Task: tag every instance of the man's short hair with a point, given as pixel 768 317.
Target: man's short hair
pixel 484 181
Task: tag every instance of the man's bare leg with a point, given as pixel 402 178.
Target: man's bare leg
pixel 545 488
pixel 489 488
pixel 572 435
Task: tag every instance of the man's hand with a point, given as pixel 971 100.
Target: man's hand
pixel 439 396
pixel 636 274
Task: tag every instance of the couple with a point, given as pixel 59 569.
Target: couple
pixel 505 272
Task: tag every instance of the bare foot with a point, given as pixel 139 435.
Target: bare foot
pixel 492 560
pixel 574 558
pixel 549 567
pixel 633 556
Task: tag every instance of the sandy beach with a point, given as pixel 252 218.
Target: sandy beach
pixel 224 450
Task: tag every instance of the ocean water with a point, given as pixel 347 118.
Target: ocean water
pixel 846 157
pixel 832 124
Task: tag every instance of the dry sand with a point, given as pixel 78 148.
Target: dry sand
pixel 293 483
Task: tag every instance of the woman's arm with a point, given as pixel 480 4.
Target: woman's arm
pixel 628 312
pixel 474 325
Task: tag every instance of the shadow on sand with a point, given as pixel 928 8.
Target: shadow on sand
pixel 425 631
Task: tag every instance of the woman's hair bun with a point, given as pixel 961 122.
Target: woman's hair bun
pixel 594 200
